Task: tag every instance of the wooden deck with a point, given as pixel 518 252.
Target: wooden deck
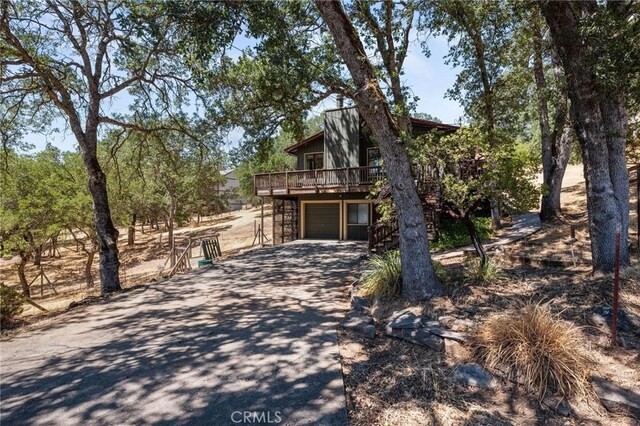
pixel 350 179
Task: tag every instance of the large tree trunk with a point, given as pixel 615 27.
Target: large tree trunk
pixel 88 272
pixel 24 258
pixel 131 233
pixel 554 164
pixel 556 141
pixel 37 254
pixel 600 122
pixel 107 234
pixel 170 221
pixel 418 279
pixel 615 119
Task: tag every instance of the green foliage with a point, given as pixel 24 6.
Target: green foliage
pixel 269 157
pixel 443 274
pixel 426 116
pixel 10 304
pixel 476 273
pixel 385 277
pixel 453 234
pixel 384 205
pixel 166 175
pixel 30 191
pixel 507 174
pixel 275 81
pixel 480 34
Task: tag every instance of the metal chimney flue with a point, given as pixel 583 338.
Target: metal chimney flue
pixel 340 101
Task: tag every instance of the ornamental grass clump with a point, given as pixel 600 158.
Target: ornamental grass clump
pixel 488 273
pixel 537 349
pixel 384 277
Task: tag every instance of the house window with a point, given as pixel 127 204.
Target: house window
pixel 358 214
pixel 373 157
pixel 314 160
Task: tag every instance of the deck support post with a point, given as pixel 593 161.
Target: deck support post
pixel 261 221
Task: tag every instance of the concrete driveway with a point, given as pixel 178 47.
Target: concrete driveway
pixel 251 340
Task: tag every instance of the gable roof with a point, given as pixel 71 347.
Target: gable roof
pixel 433 124
pixel 417 122
pixel 294 148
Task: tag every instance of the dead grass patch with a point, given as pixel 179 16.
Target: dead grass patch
pixel 537 349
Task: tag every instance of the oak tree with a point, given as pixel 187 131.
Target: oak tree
pixel 81 56
pixel 597 43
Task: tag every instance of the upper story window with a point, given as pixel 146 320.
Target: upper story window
pixel 314 160
pixel 374 158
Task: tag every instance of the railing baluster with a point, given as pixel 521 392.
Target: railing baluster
pixel 346 177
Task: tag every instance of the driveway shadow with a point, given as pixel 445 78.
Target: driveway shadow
pixel 255 333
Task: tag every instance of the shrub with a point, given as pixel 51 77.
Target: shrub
pixel 10 304
pixel 453 233
pixel 491 272
pixel 537 348
pixel 385 276
pixel 442 272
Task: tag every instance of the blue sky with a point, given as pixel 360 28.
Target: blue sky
pixel 427 77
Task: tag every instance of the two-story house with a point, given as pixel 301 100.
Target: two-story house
pixel 326 196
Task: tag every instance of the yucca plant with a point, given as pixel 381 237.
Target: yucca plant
pixel 385 275
pixel 536 348
pixel 488 273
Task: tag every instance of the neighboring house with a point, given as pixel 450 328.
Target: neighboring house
pixel 326 197
pixel 231 189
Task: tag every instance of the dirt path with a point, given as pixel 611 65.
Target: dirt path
pixel 139 263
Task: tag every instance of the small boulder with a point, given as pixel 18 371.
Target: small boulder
pixel 597 320
pixel 560 405
pixel 376 310
pixel 446 334
pixel 474 375
pixel 420 337
pixel 455 351
pixel 405 320
pixel 359 303
pixel 352 350
pixel 359 315
pixel 461 325
pixel 361 325
pixel 616 398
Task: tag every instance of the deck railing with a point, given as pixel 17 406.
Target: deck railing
pixel 349 177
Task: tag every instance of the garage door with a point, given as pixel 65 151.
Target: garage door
pixel 322 221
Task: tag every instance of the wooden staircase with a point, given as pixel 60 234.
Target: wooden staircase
pixel 385 236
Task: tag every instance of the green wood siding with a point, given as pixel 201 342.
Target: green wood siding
pixel 315 146
pixel 342 138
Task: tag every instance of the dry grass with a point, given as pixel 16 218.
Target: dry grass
pixel 536 348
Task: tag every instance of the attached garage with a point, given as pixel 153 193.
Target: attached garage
pixel 322 220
